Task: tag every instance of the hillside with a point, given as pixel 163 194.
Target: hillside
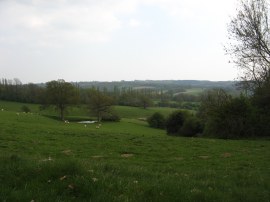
pixel 158 84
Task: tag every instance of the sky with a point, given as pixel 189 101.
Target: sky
pixel 113 40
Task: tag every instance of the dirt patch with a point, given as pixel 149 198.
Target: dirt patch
pixel 97 157
pixel 67 152
pixel 204 157
pixel 226 155
pixel 127 155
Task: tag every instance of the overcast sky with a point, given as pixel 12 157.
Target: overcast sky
pixel 111 40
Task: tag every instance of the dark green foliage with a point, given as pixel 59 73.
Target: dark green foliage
pixel 25 109
pixel 232 119
pixel 211 102
pixel 145 101
pixel 157 120
pixel 261 102
pixel 14 90
pixel 61 94
pixel 99 104
pixel 111 116
pixel 240 117
pixel 175 122
pixel 191 127
pixel 261 97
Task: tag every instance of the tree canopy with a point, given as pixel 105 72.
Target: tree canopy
pixel 61 94
pixel 249 46
pixel 99 103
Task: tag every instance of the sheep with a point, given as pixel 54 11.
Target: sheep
pixel 2 110
pixel 66 121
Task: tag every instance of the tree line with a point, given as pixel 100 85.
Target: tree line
pixel 14 90
pixel 220 114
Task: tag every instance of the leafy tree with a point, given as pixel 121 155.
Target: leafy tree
pixel 250 43
pixel 232 119
pixel 157 120
pixel 99 104
pixel 61 94
pixel 145 101
pixel 211 101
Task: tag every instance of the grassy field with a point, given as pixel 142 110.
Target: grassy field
pixel 43 159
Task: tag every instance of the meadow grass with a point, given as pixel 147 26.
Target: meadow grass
pixel 43 159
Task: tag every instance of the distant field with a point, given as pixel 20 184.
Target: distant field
pixel 83 112
pixel 42 159
pixel 193 91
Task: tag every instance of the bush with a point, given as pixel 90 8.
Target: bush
pixel 114 117
pixel 191 127
pixel 25 109
pixel 157 120
pixel 175 122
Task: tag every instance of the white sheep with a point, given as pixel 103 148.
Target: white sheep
pixel 66 121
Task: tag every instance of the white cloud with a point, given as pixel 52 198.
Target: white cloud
pixel 84 21
pixel 97 36
pixel 60 21
pixel 134 23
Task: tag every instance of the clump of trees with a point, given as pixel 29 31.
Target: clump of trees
pixel 183 123
pixel 178 123
pixel 226 117
pixel 249 33
pixel 14 90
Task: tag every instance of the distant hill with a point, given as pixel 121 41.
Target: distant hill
pixel 158 84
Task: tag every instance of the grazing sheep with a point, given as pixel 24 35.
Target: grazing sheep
pixel 97 127
pixel 2 110
pixel 18 113
pixel 66 121
pixel 85 125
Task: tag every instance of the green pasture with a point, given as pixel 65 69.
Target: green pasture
pixel 195 91
pixel 82 112
pixel 42 159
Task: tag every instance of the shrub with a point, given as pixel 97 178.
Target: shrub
pixel 25 109
pixel 191 127
pixel 112 116
pixel 175 122
pixel 157 120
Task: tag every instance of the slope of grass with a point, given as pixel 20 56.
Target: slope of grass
pixel 83 111
pixel 42 159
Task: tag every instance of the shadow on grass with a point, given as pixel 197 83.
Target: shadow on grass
pixel 69 118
